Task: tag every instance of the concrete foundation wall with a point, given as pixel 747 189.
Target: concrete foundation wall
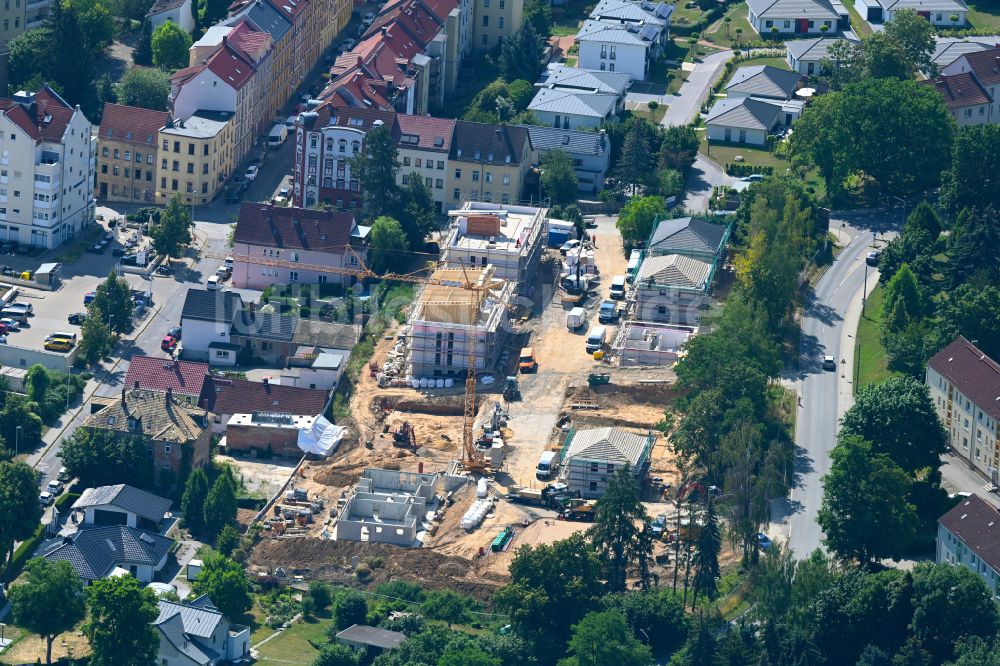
pixel 280 441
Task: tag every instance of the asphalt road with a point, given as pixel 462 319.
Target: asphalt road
pixel 686 104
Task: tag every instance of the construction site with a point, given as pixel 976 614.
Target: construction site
pixel 448 468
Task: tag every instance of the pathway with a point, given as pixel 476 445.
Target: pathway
pixel 685 106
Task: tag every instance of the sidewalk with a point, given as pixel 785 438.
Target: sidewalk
pixel 845 383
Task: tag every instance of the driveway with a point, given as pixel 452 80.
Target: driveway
pixel 686 104
pixel 705 174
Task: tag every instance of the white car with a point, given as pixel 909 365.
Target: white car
pixel 829 363
pixel 753 178
pixel 569 245
pixel 55 487
pixel 11 324
pixel 46 498
pixel 21 305
pixel 251 172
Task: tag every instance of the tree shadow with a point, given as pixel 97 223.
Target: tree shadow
pixel 822 312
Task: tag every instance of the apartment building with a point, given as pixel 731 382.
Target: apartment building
pixel 493 20
pixel 196 156
pixel 969 536
pixel 965 389
pixel 488 163
pixel 424 144
pixel 262 15
pixel 47 166
pixel 127 153
pixel 981 65
pixel 20 15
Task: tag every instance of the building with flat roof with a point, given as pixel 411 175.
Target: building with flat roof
pixel 267 433
pixel 507 237
pixel 387 506
pixel 650 345
pixel 196 157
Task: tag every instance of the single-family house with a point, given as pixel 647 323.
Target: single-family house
pixel 224 396
pixel 949 49
pixel 985 66
pixel 122 505
pixel 98 552
pixel 590 152
pixel 642 13
pixel 315 368
pixel 763 81
pixel 558 76
pixel 964 385
pixel 797 16
pixel 673 289
pixel 618 47
pixel 940 13
pixel 965 98
pixel 151 373
pixel 178 11
pixel 690 237
pixel 750 119
pixel 572 109
pixel 591 457
pixel 207 319
pixel 372 640
pixel 264 336
pixel 806 56
pixel 969 536
pixel 198 634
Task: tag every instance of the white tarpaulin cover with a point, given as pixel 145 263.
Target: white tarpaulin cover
pixel 322 438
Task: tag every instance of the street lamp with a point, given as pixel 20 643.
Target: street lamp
pixel 17 441
pixel 864 292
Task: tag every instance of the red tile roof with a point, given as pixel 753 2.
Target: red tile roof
pixel 251 43
pixel 431 133
pixel 240 396
pixel 972 372
pixel 960 90
pixel 985 65
pixel 289 8
pixel 131 124
pixel 45 120
pixel 977 524
pixel 150 373
pixel 231 66
pixel 354 89
pixel 295 228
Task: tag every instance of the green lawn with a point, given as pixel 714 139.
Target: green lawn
pixel 722 34
pixel 565 29
pixel 773 61
pixel 870 357
pixel 684 16
pixel 292 646
pixel 722 153
pixel 860 26
pixel 985 14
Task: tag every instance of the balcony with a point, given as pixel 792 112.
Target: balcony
pixel 36 4
pixel 43 205
pixel 37 23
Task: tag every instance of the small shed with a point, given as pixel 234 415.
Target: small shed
pixel 373 639
pixel 48 274
pixel 194 569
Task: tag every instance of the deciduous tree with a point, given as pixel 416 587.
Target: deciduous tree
pixel 113 304
pixel 170 46
pixel 50 601
pixel 101 457
pixel 173 234
pixel 635 222
pixel 559 181
pixel 446 606
pixel 386 243
pixel 226 584
pixel 419 211
pixel 144 87
pixel 20 512
pixel 603 639
pixel 337 654
pixel 973 178
pixel 120 629
pixel 914 35
pixel 950 604
pixel 349 608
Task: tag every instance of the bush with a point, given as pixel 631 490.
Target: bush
pixel 745 169
pixel 401 589
pixel 305 312
pixel 23 553
pixel 321 594
pixel 308 607
pixel 349 608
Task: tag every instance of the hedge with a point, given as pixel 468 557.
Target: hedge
pixel 24 552
pixel 744 169
pixel 68 498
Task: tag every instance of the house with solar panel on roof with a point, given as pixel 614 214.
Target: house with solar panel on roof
pixel 760 101
pixel 622 36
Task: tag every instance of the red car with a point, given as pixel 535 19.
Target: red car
pixel 3 329
pixel 168 344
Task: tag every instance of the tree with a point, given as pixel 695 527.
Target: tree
pixel 678 148
pixel 655 613
pixel 120 628
pixel 170 46
pixel 113 303
pixel 32 601
pixel 973 313
pixel 214 11
pixel 551 588
pixel 949 604
pixel 635 222
pixel 604 639
pixel 349 608
pixel 193 500
pixel 386 243
pixel 20 512
pixel 972 179
pixel 419 211
pixel 899 419
pixel 914 35
pixel 976 652
pixel 636 164
pixel 376 167
pixel 707 556
pixel 865 512
pixel 37 383
pixel 142 54
pixel 670 183
pixel 145 88
pixel 520 54
pixel 903 291
pixel 468 655
pixel 173 233
pixel 96 339
pixel 101 457
pixel 923 219
pixel 901 133
pixel 337 654
pixel 228 540
pixel 74 64
pixel 446 606
pixel 32 57
pixel 539 14
pixel 226 584
pixel 321 594
pixel 615 535
pixel 220 503
pixel 974 248
pixel 559 179
pixel 701 647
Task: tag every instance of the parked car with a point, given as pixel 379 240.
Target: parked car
pixel 3 329
pixel 251 172
pixel 168 344
pixel 10 324
pixel 88 297
pixel 164 269
pixel 763 541
pixel 284 192
pixel 829 363
pixel 753 178
pixel 569 245
pixel 658 525
pixel 77 318
pixel 55 486
pixel 872 258
pixel 175 332
pixel 63 475
pixel 96 249
pixel 21 305
pixel 46 498
pixel 608 312
pixel 58 345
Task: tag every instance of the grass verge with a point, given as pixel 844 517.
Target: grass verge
pixel 295 644
pixel 870 356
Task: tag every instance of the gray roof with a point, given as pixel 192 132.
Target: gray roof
pixel 812 49
pixel 611 445
pixel 266 17
pixel 561 77
pixel 95 551
pixel 743 113
pixel 793 9
pixel 674 270
pixel 325 334
pixel 686 235
pixel 629 11
pixel 925 5
pixel 764 81
pixel 207 305
pixel 201 125
pixel 575 142
pixel 265 326
pixel 185 625
pixel 127 498
pixel 949 49
pixel 380 638
pixel 573 103
pixel 172 629
pixel 616 33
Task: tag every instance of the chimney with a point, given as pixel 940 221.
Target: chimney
pixel 170 394
pixel 264 381
pixel 385 30
pixel 136 384
pixel 123 398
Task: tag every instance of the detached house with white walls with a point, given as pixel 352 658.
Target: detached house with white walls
pixel 571 98
pixel 806 56
pixel 941 13
pixel 617 47
pixel 804 17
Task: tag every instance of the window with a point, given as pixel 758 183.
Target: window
pixel 116 170
pixel 475 177
pixel 406 161
pixel 456 194
pixel 458 174
pixel 768 24
pixel 500 22
pixel 484 41
pixel 176 166
pixel 937 17
pixel 429 182
pixel 406 179
pixel 163 182
pixel 604 50
pixel 204 168
pixel 603 67
pixel 104 168
pixel 612 52
pixel 611 67
pixel 440 165
pixel 506 179
pixel 104 151
pixel 788 24
pixel 173 184
pixel 177 146
pixel 190 167
pixel 191 148
pixel 126 172
pixel 166 449
pixel 439 184
pixel 293 276
pixel 486 21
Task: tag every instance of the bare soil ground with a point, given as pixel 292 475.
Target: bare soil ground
pixel 31 648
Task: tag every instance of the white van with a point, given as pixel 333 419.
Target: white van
pixel 547 464
pixel 634 260
pixel 213 283
pixel 576 318
pixel 596 338
pixel 618 287
pixel 277 135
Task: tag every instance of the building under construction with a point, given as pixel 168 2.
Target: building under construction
pixel 446 320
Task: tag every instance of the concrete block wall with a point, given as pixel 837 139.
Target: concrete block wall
pixel 282 441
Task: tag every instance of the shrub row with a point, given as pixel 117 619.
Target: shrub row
pixel 24 553
pixel 744 169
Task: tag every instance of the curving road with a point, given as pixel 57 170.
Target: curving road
pixel 685 105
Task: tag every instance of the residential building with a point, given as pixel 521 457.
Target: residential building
pixel 315 368
pixel 265 337
pixel 266 17
pixel 806 56
pixel 268 433
pixel 18 16
pixel 224 397
pixel 185 379
pixel 940 13
pixel 641 14
pixel 386 506
pixel 176 11
pixel 373 640
pixel 591 457
pixel 196 157
pixel 447 321
pixel 510 239
pixel 949 49
pixel 127 153
pixel 573 110
pixel 750 119
pixel 424 144
pixel 207 319
pixel 651 345
pixel 488 163
pixel 100 552
pixel 690 237
pixel 590 152
pixel 965 389
pixel 493 20
pixel 122 505
pixel 281 245
pixel 558 76
pixel 198 634
pixel 797 16
pixel 983 65
pixel 47 165
pixel 617 47
pixel 763 81
pixel 969 536
pixel 673 289
pixel 175 432
pixel 966 99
